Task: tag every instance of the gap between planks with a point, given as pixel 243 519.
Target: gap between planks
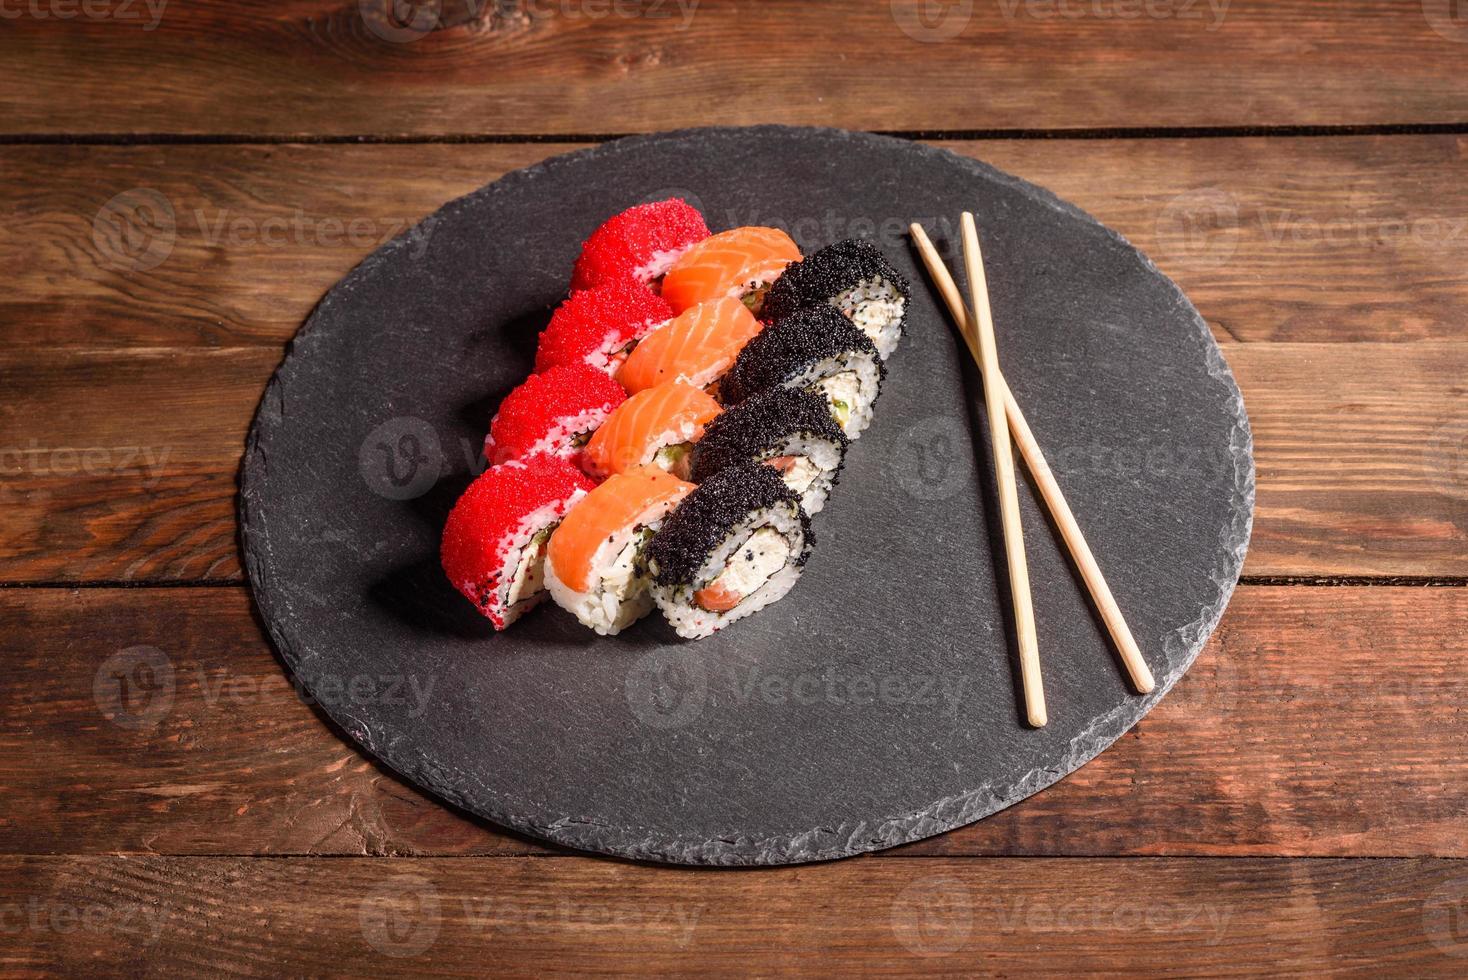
pixel 1097 133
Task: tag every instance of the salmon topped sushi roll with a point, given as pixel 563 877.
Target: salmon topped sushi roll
pixel 553 413
pixel 697 346
pixel 598 327
pixel 638 245
pixel 592 561
pixel 740 263
pixel 655 427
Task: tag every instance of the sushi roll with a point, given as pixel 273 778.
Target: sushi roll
pixel 735 545
pixel 785 428
pixel 698 346
pixel 598 327
pixel 856 278
pixel 639 244
pixel 494 543
pixel 655 427
pixel 740 263
pixel 592 567
pixel 553 413
pixel 818 350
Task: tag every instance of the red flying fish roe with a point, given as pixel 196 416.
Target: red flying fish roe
pixel 543 403
pixel 639 244
pixel 594 324
pixel 490 517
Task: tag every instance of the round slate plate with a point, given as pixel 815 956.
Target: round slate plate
pixel 877 703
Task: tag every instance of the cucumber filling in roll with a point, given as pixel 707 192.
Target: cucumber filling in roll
pixel 815 349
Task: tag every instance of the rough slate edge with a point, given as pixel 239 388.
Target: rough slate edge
pixel 1181 648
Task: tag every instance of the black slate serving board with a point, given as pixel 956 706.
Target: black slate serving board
pixel 877 704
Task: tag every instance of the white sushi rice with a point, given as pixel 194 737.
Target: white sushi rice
pixel 876 307
pixel 559 440
pixel 657 266
pixel 617 595
pixel 812 471
pixel 522 583
pixel 850 378
pixel 762 566
pixel 612 354
pixel 670 450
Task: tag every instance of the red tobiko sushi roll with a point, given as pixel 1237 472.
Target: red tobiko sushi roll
pixel 639 244
pixel 495 539
pixel 598 327
pixel 553 413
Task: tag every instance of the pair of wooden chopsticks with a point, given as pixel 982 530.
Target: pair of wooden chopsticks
pixel 976 326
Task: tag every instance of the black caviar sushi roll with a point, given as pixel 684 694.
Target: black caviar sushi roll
pixel 785 428
pixel 854 277
pixel 735 545
pixel 818 350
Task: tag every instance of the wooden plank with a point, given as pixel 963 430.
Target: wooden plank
pixel 1267 748
pixel 588 66
pixel 1359 449
pixel 1252 229
pixel 528 917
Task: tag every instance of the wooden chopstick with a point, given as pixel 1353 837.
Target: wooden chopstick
pixel 1029 448
pixel 1014 541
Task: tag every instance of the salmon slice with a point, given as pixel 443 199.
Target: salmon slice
pixel 641 495
pixel 729 264
pixel 696 346
pixel 666 415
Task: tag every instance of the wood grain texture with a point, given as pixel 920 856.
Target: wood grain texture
pixel 313 67
pixel 1360 451
pixel 1331 240
pixel 1266 748
pixel 529 917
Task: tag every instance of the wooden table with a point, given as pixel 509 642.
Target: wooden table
pixel 180 189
